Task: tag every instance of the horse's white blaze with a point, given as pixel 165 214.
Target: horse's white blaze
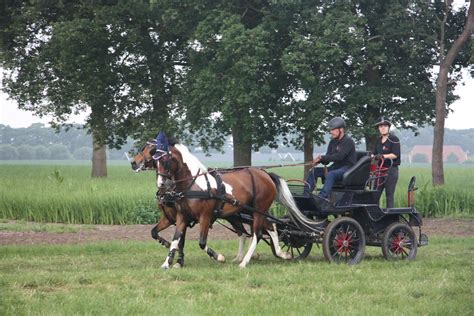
pixel 196 166
pixel 159 179
pixel 174 245
pixel 276 245
pixel 249 254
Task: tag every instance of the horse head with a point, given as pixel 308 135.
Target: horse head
pixel 143 160
pixel 176 166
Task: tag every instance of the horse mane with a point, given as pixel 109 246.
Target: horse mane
pixel 190 160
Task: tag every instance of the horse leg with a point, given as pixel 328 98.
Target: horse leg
pixel 240 253
pixel 180 228
pixel 162 224
pixel 242 233
pixel 204 223
pixel 257 234
pixel 180 261
pixel 276 244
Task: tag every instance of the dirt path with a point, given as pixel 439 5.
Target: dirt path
pixel 85 234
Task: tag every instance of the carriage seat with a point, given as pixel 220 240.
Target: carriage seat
pixel 356 177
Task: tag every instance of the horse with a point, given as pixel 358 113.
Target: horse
pixel 143 160
pixel 198 197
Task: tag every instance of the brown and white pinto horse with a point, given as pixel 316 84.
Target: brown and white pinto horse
pixel 252 190
pixel 143 160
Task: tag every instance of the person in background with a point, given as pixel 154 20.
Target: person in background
pixel 341 152
pixel 388 148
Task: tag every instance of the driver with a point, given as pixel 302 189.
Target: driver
pixel 340 151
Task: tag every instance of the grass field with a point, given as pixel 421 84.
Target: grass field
pixel 115 278
pixel 65 193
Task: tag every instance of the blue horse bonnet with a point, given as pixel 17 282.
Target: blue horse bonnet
pixel 162 142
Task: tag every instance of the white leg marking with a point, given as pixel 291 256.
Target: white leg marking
pixel 276 245
pixel 174 245
pixel 220 257
pixel 249 254
pixel 240 254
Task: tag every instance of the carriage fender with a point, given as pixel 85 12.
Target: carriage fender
pixel 415 219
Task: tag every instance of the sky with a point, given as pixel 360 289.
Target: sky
pixel 462 116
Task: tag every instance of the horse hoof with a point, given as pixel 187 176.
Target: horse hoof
pixel 165 266
pixel 242 265
pixel 237 259
pixel 288 256
pixel 220 258
pixel 177 266
pixel 255 256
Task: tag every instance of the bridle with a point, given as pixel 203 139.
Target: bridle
pixel 171 182
pixel 145 159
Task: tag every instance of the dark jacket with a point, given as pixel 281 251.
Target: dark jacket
pixel 341 152
pixel 391 146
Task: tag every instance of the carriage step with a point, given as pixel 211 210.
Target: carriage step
pixel 423 240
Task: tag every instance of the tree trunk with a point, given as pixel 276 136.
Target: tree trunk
pixel 242 147
pixel 370 142
pixel 437 171
pixel 308 152
pixel 99 159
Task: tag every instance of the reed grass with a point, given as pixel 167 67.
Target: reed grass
pixel 67 194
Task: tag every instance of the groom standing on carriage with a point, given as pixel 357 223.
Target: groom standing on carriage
pixel 341 152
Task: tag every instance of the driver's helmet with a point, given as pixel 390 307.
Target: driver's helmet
pixel 337 122
pixel 383 121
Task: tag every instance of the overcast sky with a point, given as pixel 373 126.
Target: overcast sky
pixel 461 118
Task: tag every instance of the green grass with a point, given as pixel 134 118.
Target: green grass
pixel 124 278
pixel 67 194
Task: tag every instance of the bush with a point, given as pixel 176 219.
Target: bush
pixel 82 153
pixel 59 152
pixel 41 152
pixel 8 152
pixel 26 152
pixel 420 158
pixel 452 158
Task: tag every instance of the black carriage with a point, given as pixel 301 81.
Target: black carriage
pixel 354 221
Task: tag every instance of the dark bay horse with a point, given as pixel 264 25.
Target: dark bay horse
pixel 143 160
pixel 249 190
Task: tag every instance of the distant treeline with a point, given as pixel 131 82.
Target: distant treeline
pixel 40 142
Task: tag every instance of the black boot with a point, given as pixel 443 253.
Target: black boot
pixel 324 204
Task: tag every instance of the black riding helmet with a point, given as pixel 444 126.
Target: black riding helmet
pixel 383 121
pixel 337 122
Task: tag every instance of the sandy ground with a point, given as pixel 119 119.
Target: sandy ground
pixel 85 234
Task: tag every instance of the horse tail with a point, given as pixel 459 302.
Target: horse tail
pixel 285 198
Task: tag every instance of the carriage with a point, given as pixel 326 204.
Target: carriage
pixel 354 221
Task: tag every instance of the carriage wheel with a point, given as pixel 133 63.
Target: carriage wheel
pixel 344 241
pixel 298 251
pixel 399 242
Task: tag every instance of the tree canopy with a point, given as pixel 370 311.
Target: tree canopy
pixel 204 70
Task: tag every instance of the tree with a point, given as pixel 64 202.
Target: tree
pixel 82 153
pixel 59 152
pixel 235 85
pixel 446 61
pixel 25 152
pixel 116 59
pixel 42 152
pixel 8 152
